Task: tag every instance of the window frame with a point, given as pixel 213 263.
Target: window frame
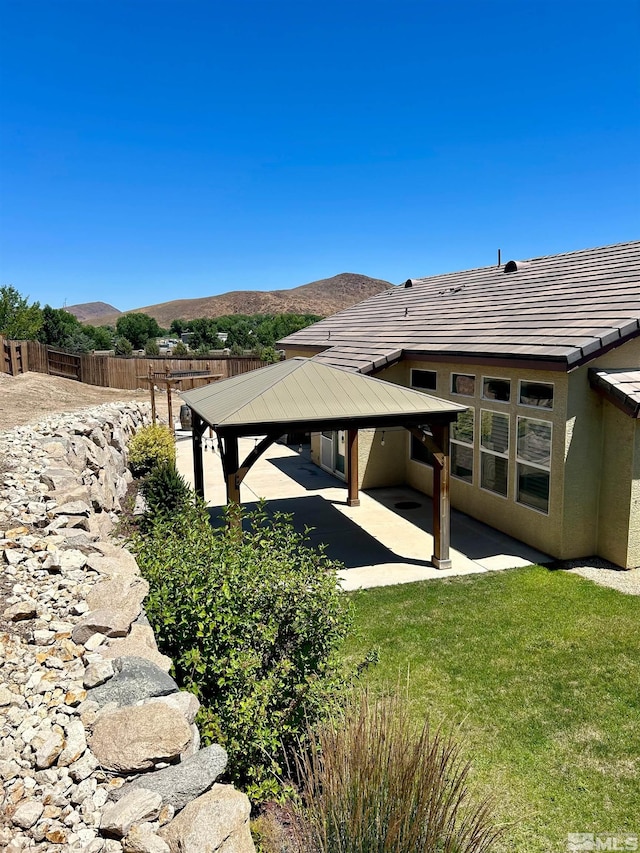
pixel 498 454
pixel 495 379
pixel 460 443
pixel 421 387
pixel 522 461
pixel 458 393
pixel 551 385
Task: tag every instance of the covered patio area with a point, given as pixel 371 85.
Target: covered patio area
pixel 379 543
pixel 300 396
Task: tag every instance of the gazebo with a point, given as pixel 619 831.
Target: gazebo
pixel 303 395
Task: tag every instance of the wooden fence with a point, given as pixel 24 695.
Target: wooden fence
pixel 113 371
pixel 14 357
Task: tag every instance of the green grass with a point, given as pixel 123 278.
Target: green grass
pixel 541 671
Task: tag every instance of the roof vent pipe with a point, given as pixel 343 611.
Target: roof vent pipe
pixel 515 266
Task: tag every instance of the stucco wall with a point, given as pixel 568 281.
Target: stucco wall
pixel 633 552
pixel 615 485
pixel 594 500
pixel 582 467
pixel 543 531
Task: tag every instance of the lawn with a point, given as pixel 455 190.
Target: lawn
pixel 541 672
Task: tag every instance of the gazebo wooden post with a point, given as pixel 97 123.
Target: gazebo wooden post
pixel 197 428
pixel 441 501
pixel 231 465
pixel 152 391
pixel 352 468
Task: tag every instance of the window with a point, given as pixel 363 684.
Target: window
pixel 494 452
pixel 534 463
pixel 424 379
pixel 464 384
pixel 539 394
pixel 461 446
pixel 420 453
pixel 496 389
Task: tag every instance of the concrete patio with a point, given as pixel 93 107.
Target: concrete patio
pixel 378 542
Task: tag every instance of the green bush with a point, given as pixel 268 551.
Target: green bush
pixel 371 782
pixel 149 447
pixel 165 491
pixel 253 621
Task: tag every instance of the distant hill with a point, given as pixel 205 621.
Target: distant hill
pixel 323 297
pixel 93 312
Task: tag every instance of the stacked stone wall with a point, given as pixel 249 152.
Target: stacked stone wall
pixel 99 751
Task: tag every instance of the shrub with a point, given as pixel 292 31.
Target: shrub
pixel 149 447
pixel 165 491
pixel 253 620
pixel 371 782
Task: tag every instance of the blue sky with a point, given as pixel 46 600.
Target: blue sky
pixel 163 149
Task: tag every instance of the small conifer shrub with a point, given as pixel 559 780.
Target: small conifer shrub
pixel 149 447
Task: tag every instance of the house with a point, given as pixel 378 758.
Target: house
pixel 545 354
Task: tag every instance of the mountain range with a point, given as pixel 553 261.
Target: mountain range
pixel 323 297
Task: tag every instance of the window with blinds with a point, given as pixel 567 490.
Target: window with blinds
pixel 461 446
pixel 494 452
pixel 533 459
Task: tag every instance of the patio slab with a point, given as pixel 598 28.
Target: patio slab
pixel 378 542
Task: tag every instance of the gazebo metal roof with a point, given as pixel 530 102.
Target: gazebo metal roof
pixel 300 391
pixel 304 395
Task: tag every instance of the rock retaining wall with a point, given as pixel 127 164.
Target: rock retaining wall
pixel 98 748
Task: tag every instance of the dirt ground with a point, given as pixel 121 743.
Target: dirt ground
pixel 30 396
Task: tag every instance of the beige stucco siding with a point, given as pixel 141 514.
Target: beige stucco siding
pixel 618 449
pixel 582 467
pixel 633 552
pixel 594 487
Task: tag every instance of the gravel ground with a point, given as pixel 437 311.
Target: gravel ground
pixel 606 574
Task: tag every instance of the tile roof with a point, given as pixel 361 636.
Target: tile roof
pixel 560 308
pixel 622 387
pixel 300 390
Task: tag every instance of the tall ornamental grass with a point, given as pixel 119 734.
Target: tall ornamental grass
pixel 372 783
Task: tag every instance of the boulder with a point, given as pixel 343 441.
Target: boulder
pixel 21 610
pixel 216 822
pixel 135 738
pixel 140 642
pixel 142 839
pixel 184 782
pixel 111 623
pixel 136 806
pixel 134 679
pixel 119 594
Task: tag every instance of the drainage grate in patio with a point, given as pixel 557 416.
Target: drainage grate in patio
pixel 408 505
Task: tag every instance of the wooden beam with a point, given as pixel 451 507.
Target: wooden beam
pixel 352 468
pixel 197 428
pixel 255 454
pixel 441 502
pixel 429 443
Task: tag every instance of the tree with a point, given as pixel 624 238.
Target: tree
pixel 180 349
pixel 18 319
pixel 122 346
pixel 57 327
pixel 102 336
pixel 138 328
pixel 151 347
